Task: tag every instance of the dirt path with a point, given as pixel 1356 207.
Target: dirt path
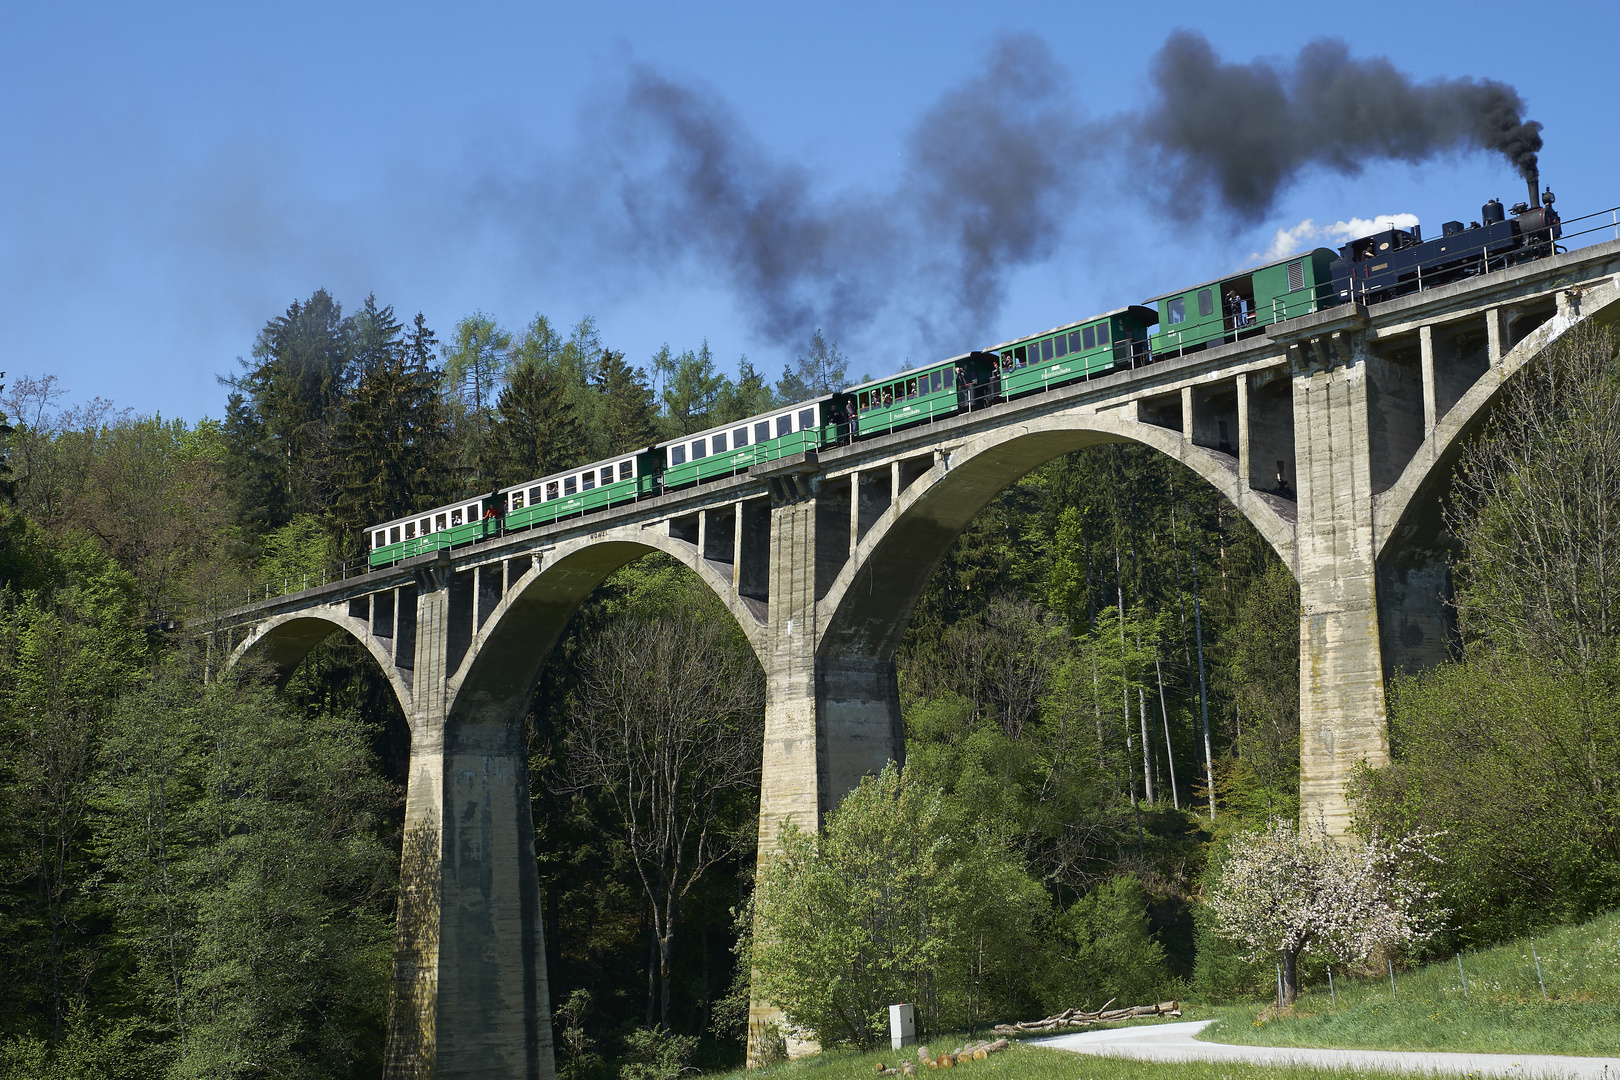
pixel 1175 1042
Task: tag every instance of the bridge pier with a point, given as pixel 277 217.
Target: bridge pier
pixel 470 997
pixel 1342 719
pixel 829 720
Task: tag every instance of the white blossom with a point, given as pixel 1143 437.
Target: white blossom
pixel 1289 892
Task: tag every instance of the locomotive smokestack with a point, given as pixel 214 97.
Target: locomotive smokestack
pixel 1533 178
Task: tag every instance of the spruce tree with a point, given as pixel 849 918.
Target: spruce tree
pixel 628 419
pixel 394 440
pixel 536 431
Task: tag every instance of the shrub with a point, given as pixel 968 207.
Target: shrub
pixel 1105 949
pixel 895 901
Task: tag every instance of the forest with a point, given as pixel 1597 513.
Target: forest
pixel 1099 688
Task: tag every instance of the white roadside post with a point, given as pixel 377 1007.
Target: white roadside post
pixel 902 1026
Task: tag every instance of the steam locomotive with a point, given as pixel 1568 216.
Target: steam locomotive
pixel 1395 261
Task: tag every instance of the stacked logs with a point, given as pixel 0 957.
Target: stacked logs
pixel 1069 1018
pixel 926 1059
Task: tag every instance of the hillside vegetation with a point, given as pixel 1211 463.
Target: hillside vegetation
pixel 1502 1010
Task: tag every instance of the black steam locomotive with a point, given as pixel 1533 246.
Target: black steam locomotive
pixel 1398 261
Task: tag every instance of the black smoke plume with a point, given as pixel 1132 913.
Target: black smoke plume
pixel 988 175
pixel 1244 132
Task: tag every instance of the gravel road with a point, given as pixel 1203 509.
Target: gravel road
pixel 1175 1042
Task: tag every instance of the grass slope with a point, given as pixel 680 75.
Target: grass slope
pixel 1503 1011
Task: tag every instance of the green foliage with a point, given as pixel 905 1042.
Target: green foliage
pixel 393 433
pixel 253 894
pixel 627 419
pixel 1513 765
pixel 1105 949
pixel 1260 666
pixel 656 1053
pixel 295 553
pixel 475 360
pixel 536 431
pixel 1511 753
pixel 692 389
pixel 285 406
pixel 897 899
pixel 819 370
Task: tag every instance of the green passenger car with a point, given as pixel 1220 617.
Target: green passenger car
pixel 403 538
pixel 537 502
pixel 923 394
pixel 1238 305
pixel 1080 350
pixel 722 451
pixel 593 487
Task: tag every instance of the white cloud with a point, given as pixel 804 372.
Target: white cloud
pixel 1309 234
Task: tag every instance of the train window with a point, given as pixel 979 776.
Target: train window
pixel 807 419
pixel 1176 311
pixel 1206 302
pixel 700 448
pixel 719 443
pixel 380 539
pixel 393 535
pixel 1046 349
pixel 439 522
pixel 426 526
pixel 677 455
pixel 1060 345
pixel 607 475
pixel 627 470
pixel 587 479
pixel 1018 354
pixel 535 497
pixel 517 500
pixel 936 382
pixel 1102 333
pixel 762 431
pixel 570 485
pixel 784 426
pixel 455 517
pixel 950 378
pixel 1074 341
pixel 865 401
pixel 410 530
pixel 551 491
pixel 1296 276
pixel 1088 337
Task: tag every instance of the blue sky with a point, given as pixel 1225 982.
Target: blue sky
pixel 174 175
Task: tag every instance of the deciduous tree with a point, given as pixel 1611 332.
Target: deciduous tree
pixel 1286 891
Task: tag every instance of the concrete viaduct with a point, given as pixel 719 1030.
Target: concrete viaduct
pixel 822 559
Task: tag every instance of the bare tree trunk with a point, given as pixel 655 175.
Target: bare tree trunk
pixel 1147 745
pixel 652 974
pixel 1290 967
pixel 1169 748
pixel 1203 690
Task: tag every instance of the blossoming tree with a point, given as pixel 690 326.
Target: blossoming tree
pixel 1286 891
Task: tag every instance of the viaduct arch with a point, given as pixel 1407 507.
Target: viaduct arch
pixel 821 559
